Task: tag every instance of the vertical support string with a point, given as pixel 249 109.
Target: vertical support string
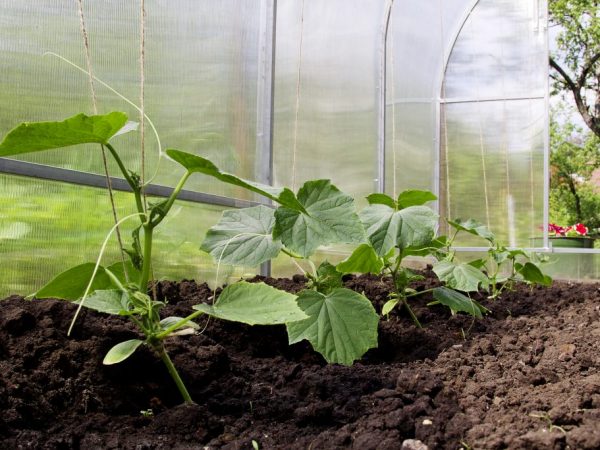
pixel 88 61
pixel 142 87
pixel 297 106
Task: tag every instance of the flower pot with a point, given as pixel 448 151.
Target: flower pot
pixel 566 241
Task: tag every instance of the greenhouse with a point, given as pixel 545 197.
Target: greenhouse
pixel 338 218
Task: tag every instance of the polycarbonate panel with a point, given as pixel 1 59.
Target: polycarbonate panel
pixel 47 227
pixel 500 53
pixel 325 93
pixel 410 147
pixel 493 167
pixel 201 73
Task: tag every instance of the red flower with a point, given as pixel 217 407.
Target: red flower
pixel 580 229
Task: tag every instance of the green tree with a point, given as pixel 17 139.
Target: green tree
pixel 576 60
pixel 574 158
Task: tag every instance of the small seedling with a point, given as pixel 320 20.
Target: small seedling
pixel 546 418
pixel 147 412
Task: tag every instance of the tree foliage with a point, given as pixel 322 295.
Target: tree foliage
pixel 576 60
pixel 574 158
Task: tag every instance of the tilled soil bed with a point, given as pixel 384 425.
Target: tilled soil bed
pixel 525 377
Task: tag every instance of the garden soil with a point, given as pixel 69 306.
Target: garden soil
pixel 525 377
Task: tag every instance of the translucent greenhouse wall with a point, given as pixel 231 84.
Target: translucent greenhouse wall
pixel 445 95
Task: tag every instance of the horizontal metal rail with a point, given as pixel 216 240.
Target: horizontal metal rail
pixel 40 171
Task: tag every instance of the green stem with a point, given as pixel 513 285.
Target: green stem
pixel 167 206
pixel 132 184
pixel 145 276
pixel 291 254
pixel 160 348
pixel 412 314
pixel 168 331
pixel 420 292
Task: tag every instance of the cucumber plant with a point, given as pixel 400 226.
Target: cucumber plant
pixel 396 229
pixel 341 324
pixel 122 289
pixel 499 271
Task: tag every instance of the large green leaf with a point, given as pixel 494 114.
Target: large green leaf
pixel 197 164
pixel 341 326
pixel 111 301
pixel 80 129
pixel 122 351
pixel 362 260
pixel 461 276
pixel 532 274
pixel 387 228
pixel 325 215
pixel 254 304
pixel 458 302
pixel 414 197
pixel 473 227
pixel 71 284
pixel 243 237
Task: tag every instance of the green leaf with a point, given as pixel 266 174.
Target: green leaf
pixel 458 302
pixel 254 304
pixel 107 301
pixel 414 197
pixel 118 270
pixel 410 227
pixel 461 276
pixel 328 218
pixel 473 227
pixel 71 284
pixel 243 237
pixel 80 129
pixel 341 326
pixel 388 306
pixel 382 199
pixel 532 274
pixel 328 278
pixel 196 164
pixel 168 322
pixel 121 352
pixel 362 260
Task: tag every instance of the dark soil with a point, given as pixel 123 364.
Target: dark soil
pixel 525 377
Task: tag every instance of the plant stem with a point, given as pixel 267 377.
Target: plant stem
pixel 412 314
pixel 164 356
pixel 167 206
pixel 165 333
pixel 134 186
pixel 145 276
pixel 420 292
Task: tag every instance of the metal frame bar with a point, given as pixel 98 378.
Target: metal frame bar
pixel 382 97
pixel 265 100
pixel 42 172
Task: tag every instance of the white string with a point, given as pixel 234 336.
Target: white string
pixel 297 106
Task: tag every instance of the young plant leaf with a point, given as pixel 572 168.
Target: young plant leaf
pixel 458 302
pixel 410 227
pixel 382 199
pixel 328 218
pixel 121 352
pixel 254 304
pixel 118 270
pixel 341 326
pixel 243 237
pixel 473 227
pixel 389 306
pixel 170 321
pixel 461 276
pixel 414 197
pixel 80 129
pixel 532 274
pixel 72 283
pixel 328 278
pixel 196 164
pixel 362 260
pixel 109 301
